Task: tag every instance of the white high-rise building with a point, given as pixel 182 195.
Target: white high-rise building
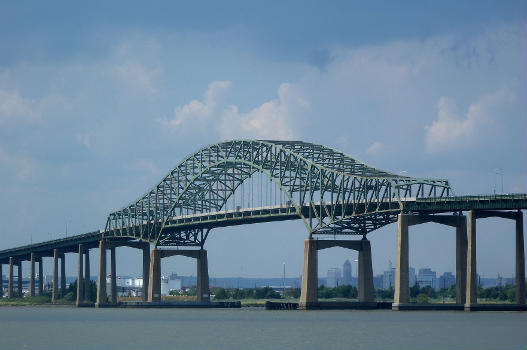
pixel 334 278
pixel 388 279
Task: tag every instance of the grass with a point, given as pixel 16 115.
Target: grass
pixel 33 301
pixel 27 301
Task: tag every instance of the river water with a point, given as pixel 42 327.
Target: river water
pixel 247 328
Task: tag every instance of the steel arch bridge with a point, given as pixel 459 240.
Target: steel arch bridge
pixel 331 192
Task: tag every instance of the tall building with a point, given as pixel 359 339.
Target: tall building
pixel 175 282
pixel 378 281
pixel 427 277
pixel 446 280
pixel 388 278
pixel 411 277
pixel 334 278
pixel 346 273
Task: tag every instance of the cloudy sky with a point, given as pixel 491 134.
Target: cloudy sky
pixel 98 101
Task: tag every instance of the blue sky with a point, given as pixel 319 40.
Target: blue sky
pixel 99 100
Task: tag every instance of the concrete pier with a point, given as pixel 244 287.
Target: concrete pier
pixel 40 277
pixel 104 246
pixel 461 260
pixel 202 290
pixel 32 275
pixel 309 287
pixel 10 282
pixel 62 275
pixel 366 290
pixel 154 288
pixel 146 270
pixel 55 277
pixel 520 260
pixel 19 280
pixel 402 290
pixel 101 277
pixel 80 277
pixel 87 280
pixel 113 277
pixel 471 298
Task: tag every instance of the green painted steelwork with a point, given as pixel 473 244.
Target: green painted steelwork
pixel 330 191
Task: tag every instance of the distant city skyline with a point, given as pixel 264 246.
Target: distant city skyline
pixel 99 100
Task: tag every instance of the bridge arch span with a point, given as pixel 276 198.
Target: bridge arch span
pixel 329 190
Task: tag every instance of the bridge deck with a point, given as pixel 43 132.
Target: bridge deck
pixel 276 213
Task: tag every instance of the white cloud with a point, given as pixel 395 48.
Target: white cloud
pixel 201 111
pixel 483 118
pixel 272 119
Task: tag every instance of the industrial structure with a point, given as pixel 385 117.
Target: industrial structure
pixel 252 181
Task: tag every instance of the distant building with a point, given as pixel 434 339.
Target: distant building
pixel 334 278
pixel 446 280
pixel 346 273
pixel 427 277
pixel 389 278
pixel 499 281
pixel 164 286
pixel 174 282
pixel 411 277
pixel 378 281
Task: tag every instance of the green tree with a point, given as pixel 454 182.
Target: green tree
pixel 221 294
pixel 292 293
pixel 422 298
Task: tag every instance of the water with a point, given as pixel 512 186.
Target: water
pixel 246 328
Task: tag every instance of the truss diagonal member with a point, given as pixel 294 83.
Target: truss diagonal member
pixel 319 182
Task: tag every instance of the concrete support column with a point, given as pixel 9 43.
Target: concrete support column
pixel 471 297
pixel 80 277
pixel 55 284
pixel 461 261
pixel 520 261
pixel 146 268
pixel 309 290
pixel 402 291
pixel 154 288
pixel 113 279
pixel 32 275
pixel 202 290
pixel 365 273
pixel 1 282
pixel 40 277
pixel 19 284
pixel 101 278
pixel 87 280
pixel 10 283
pixel 62 275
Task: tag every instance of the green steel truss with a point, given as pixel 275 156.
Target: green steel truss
pixel 330 191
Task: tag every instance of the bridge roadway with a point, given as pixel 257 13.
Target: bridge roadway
pixel 407 212
pixel 275 213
